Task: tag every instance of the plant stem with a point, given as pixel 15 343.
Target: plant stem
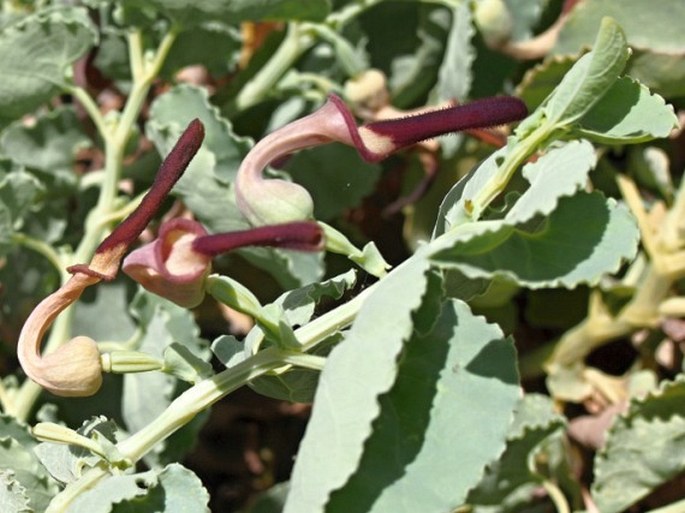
pixel 199 397
pixel 44 249
pixel 557 496
pixel 294 44
pixel 115 138
pixel 517 156
pixel 196 399
pixel 61 502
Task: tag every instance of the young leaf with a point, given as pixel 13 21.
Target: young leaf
pixel 584 238
pixel 628 114
pixel 560 172
pixel 644 449
pixel 36 53
pixel 358 370
pixel 590 78
pixel 429 447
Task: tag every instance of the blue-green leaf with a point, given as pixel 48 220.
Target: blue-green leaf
pixel 590 78
pixel 357 372
pixel 644 449
pixel 584 238
pixel 445 418
pixel 36 54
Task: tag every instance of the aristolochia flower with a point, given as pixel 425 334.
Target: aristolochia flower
pixel 75 368
pixel 176 264
pixel 268 201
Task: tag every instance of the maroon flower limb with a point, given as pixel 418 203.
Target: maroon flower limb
pixel 300 236
pixel 273 201
pixel 381 138
pixel 109 253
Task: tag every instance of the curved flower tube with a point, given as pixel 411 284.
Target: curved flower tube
pixel 176 264
pixel 268 201
pixel 75 368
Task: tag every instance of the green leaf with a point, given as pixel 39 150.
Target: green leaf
pixel 584 238
pixel 452 209
pixel 190 48
pixel 169 490
pixel 336 177
pixel 655 36
pixel 183 364
pixel 455 74
pixel 560 172
pixel 229 350
pixel 644 449
pixel 628 114
pixel 50 144
pixel 36 54
pixel 510 481
pixel 429 445
pixel 21 468
pixel 540 80
pixel 299 304
pixel 102 313
pixel 13 496
pixel 193 12
pixel 590 78
pixel 357 371
pixel 645 27
pixel 19 192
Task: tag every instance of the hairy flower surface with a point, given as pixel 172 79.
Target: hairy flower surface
pixel 176 264
pixel 268 201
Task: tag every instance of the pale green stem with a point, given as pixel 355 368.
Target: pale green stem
pixel 294 44
pixel 115 138
pixel 44 249
pixel 91 107
pixel 342 17
pixel 523 149
pixel 557 496
pixel 196 399
pixel 307 361
pixel 63 500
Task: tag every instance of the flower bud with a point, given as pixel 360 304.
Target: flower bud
pixel 494 22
